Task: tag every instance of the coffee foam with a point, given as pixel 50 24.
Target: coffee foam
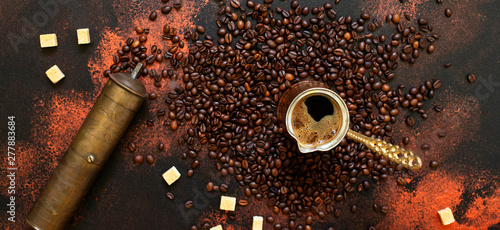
pixel 312 133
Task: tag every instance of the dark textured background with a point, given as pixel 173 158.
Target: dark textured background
pixel 126 196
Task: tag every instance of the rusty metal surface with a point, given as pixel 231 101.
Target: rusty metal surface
pixel 127 196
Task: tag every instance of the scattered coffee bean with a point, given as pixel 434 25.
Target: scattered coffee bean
pixel 471 78
pixel 396 18
pixel 210 186
pixel 406 140
pixel 430 49
pixel 152 96
pixel 166 9
pixel 150 159
pixel 437 109
pixel 384 209
pixel 131 146
pixel 242 202
pixel 401 181
pixel 424 146
pixel 138 159
pixel 139 30
pixel 410 121
pixel 235 4
pixel 434 164
pixel 354 209
pixel 170 196
pixel 177 5
pixel 200 29
pixel 448 12
pixel 189 204
pixel 153 16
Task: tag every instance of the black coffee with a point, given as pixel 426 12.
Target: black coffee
pixel 319 107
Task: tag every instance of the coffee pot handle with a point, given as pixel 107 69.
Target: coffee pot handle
pixel 393 152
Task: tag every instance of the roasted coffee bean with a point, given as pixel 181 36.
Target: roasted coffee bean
pixel 166 9
pixel 210 186
pixel 170 196
pixel 406 140
pixel 337 212
pixel 138 30
pixel 189 204
pixel 471 78
pixel 152 96
pixel 410 121
pixel 153 16
pixel 430 48
pixel 424 146
pixel 138 159
pixel 177 5
pixel 401 181
pixel 396 18
pixel 436 84
pixel 354 209
pixel 131 147
pixel 150 159
pixel 384 209
pixel 448 12
pixel 434 164
pixel 242 202
pixel 200 29
pixel 235 4
pixel 423 21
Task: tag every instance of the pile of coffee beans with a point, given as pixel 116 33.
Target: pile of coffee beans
pixel 231 85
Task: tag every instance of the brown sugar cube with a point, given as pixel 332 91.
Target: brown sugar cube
pixel 54 74
pixel 83 36
pixel 446 216
pixel 258 222
pixel 227 203
pixel 171 175
pixel 218 227
pixel 48 40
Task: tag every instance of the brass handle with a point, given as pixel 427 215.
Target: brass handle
pixel 392 152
